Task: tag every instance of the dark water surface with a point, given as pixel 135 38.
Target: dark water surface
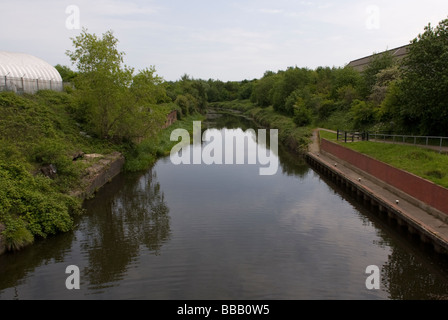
pixel 225 232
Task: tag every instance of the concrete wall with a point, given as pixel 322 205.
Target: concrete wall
pixel 102 173
pixel 421 189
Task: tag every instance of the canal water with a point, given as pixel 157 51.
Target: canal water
pixel 225 232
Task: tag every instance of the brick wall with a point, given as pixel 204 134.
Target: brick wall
pixel 421 189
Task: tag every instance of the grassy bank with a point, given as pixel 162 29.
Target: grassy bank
pixel 149 150
pixel 425 163
pixel 40 142
pixel 293 137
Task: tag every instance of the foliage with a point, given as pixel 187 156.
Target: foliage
pixel 425 82
pixel 302 116
pixel 379 62
pixel 148 88
pixel 363 114
pixel 105 103
pixel 32 206
pixel 66 73
pixel 262 91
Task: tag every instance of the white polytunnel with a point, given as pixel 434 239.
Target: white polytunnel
pixel 21 72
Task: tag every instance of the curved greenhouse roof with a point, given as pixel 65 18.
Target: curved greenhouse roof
pixel 25 73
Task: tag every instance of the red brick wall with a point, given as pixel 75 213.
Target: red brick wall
pixel 421 189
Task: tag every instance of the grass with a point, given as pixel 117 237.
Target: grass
pixel 422 162
pixel 148 151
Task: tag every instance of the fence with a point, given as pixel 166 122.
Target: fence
pixel 24 85
pixel 437 143
pixel 347 136
pixel 427 141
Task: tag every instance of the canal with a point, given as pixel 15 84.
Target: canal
pixel 225 232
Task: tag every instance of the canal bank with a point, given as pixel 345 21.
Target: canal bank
pixel 421 218
pixel 102 170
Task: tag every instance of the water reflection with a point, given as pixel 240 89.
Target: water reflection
pixel 126 218
pixel 290 164
pixel 195 232
pixel 413 270
pixel 121 225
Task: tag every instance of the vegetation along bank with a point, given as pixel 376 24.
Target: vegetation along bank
pixel 110 107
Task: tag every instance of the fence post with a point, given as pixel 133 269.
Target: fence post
pixel 337 139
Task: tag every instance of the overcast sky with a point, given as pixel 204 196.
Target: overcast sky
pixel 226 40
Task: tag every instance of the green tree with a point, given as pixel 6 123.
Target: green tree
pixel 66 73
pixel 103 85
pixel 290 80
pixel 379 62
pixel 364 114
pixel 262 90
pixel 425 81
pixel 384 78
pixel 147 87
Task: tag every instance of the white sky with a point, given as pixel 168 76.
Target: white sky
pixel 226 40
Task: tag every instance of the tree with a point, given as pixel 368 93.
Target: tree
pixel 103 85
pixel 66 73
pixel 290 80
pixel 384 79
pixel 148 87
pixel 364 114
pixel 261 92
pixel 379 62
pixel 425 81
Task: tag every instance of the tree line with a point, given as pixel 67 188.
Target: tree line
pixel 390 95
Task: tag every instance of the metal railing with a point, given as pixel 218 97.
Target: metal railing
pixel 352 136
pixel 25 85
pixel 432 142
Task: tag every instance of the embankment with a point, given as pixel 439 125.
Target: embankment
pixel 98 174
pixel 415 203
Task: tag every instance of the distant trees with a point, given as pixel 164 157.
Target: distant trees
pixel 407 96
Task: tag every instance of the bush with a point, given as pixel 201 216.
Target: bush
pixel 363 114
pixel 32 207
pixel 303 116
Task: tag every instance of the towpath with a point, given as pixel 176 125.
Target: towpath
pixel 429 226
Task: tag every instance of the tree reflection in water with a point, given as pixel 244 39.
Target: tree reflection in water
pixel 124 223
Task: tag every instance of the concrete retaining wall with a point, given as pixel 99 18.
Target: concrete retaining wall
pixel 421 189
pixel 102 173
